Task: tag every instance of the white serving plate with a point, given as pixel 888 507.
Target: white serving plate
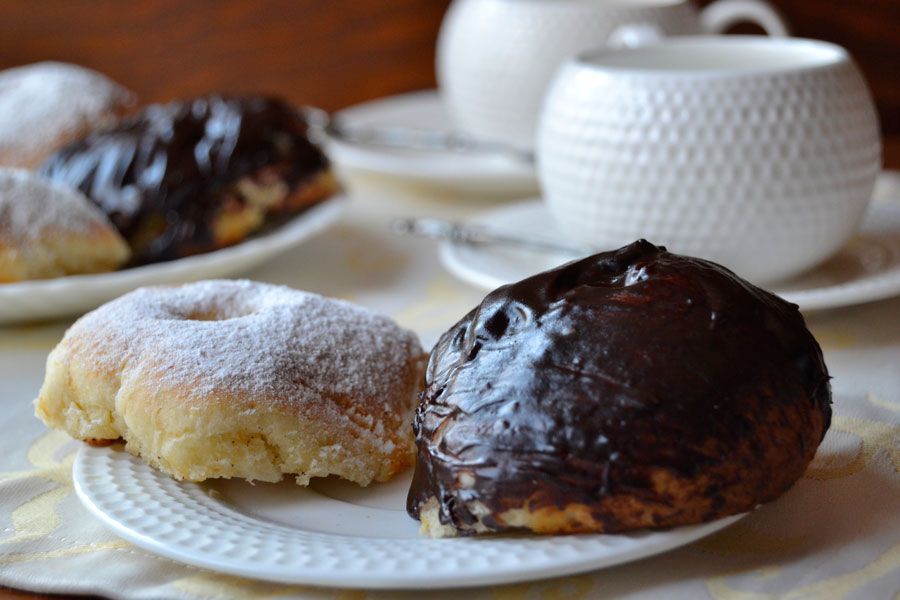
pixel 76 294
pixel 332 533
pixel 865 270
pixel 465 173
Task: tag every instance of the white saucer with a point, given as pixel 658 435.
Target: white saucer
pixel 866 269
pixel 467 173
pixel 331 534
pixel 66 296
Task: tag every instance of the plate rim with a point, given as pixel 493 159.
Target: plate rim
pixel 382 581
pixel 44 300
pixel 821 298
pixel 282 233
pixel 426 168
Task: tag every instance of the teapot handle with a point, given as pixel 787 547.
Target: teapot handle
pixel 715 18
pixel 720 15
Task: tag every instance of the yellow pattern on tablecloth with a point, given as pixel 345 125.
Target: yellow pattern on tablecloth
pixel 872 436
pixel 832 587
pixel 882 403
pixel 9 559
pixel 568 588
pixel 38 517
pixel 215 586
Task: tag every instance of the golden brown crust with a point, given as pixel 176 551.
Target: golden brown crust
pixel 734 486
pixel 260 201
pixel 100 250
pixel 47 231
pixel 97 443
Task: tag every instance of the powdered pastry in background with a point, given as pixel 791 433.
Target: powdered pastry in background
pixel 44 106
pixel 49 231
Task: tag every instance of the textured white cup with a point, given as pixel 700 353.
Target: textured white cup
pixel 757 153
pixel 495 58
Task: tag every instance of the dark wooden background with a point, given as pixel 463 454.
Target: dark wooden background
pixel 334 53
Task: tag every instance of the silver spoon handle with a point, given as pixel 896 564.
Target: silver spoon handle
pixel 407 138
pixel 476 235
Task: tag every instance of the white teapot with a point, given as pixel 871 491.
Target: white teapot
pixel 495 58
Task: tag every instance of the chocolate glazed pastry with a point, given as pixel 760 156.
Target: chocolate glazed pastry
pixel 630 389
pixel 193 176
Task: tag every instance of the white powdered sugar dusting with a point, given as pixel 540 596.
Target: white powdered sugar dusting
pixel 32 208
pixel 257 340
pixel 43 101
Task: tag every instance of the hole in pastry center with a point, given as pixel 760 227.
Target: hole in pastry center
pixel 212 315
pixel 206 316
pixel 218 309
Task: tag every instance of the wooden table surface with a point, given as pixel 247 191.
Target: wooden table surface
pixel 355 51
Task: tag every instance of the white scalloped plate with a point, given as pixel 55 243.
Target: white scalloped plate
pixel 865 270
pixel 66 296
pixel 331 534
pixel 466 173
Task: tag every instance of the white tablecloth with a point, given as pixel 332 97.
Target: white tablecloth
pixel 835 534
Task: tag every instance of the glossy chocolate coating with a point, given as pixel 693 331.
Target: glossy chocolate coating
pixel 570 385
pixel 167 169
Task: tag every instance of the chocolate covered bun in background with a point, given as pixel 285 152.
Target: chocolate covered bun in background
pixel 192 176
pixel 631 389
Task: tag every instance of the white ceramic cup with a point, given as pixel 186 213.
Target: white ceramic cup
pixel 758 153
pixel 495 58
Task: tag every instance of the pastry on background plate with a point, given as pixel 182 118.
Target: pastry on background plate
pixel 239 379
pixel 44 106
pixel 50 231
pixel 631 389
pixel 193 176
